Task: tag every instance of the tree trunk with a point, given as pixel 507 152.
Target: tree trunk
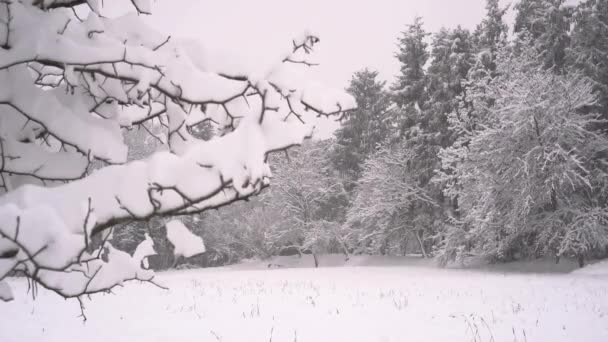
pixel 343 245
pixel 404 246
pixel 581 260
pixel 345 251
pixel 424 255
pixel 455 211
pixel 383 247
pixel 314 256
pixel 176 261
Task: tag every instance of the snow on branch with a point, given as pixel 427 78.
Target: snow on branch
pixel 185 242
pixel 67 83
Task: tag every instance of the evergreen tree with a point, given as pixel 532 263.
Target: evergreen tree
pixel 453 57
pixel 489 36
pixel 492 32
pixel 589 52
pixel 423 130
pixel 409 88
pixel 547 22
pixel 364 128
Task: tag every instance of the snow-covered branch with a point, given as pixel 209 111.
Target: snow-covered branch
pixel 70 85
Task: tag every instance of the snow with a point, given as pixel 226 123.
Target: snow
pixel 409 300
pixel 6 294
pixel 144 250
pixel 185 242
pixel 597 269
pixel 327 100
pixel 36 161
pixel 101 138
pixel 68 85
pixel 143 6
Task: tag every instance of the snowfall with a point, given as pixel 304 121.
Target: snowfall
pixel 364 299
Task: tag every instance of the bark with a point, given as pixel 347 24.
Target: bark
pixel 343 246
pixel 404 246
pixel 383 247
pixel 424 255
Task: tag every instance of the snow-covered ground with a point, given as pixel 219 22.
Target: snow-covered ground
pixel 369 299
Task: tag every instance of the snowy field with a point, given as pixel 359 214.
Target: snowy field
pixel 368 300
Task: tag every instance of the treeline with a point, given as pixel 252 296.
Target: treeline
pixel 489 143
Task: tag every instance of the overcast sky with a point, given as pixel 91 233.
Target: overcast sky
pixel 354 33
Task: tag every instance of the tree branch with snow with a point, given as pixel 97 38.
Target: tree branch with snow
pixel 71 85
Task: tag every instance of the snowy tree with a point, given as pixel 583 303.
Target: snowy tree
pixel 589 50
pixel 492 32
pixel 547 22
pixel 242 230
pixel 409 88
pixel 452 58
pixel 309 196
pixel 531 174
pixel 424 98
pixel 72 83
pixel 489 36
pixel 363 129
pixel 301 213
pixel 389 204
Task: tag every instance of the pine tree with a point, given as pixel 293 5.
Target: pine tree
pixel 589 52
pixel 453 57
pixel 547 22
pixel 364 128
pixel 490 35
pixel 423 130
pixel 409 88
pixel 492 32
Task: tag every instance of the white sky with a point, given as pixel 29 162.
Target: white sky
pixel 354 33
